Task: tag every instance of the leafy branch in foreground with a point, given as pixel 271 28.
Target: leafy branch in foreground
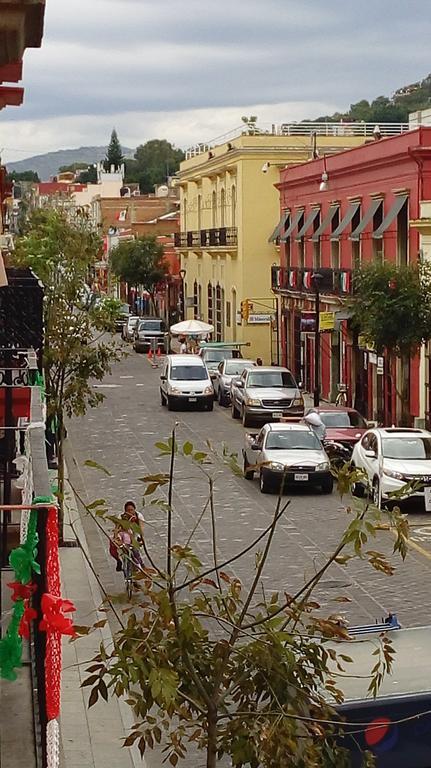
pixel 209 663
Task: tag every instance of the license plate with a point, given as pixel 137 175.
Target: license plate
pixel 427 492
pixel 300 477
pixel 193 399
pixel 277 415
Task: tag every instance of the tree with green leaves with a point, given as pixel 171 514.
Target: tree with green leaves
pixel 392 308
pixel 75 352
pixel 114 154
pixel 140 263
pixel 153 163
pixel 23 176
pixel 230 669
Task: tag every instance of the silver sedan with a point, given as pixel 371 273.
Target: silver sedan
pixel 225 372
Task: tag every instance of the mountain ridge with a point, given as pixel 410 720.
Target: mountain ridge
pixel 46 165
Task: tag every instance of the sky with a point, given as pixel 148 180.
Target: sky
pixel 187 70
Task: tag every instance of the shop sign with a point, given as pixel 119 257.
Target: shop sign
pixel 380 366
pixel 308 322
pixel 327 321
pixel 258 318
pixel 372 357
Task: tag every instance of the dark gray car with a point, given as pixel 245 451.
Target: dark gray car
pixel 150 333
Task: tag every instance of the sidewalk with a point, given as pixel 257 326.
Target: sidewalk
pixel 89 737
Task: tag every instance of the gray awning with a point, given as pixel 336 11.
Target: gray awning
pixel 368 215
pixel 345 221
pixel 307 223
pixel 280 227
pixel 325 223
pixel 390 216
pixel 293 223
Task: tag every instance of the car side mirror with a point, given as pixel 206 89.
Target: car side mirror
pixel 240 384
pixel 371 424
pixel 162 378
pixel 370 454
pixel 255 447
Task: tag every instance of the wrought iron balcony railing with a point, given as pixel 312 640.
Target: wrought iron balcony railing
pixel 218 237
pixel 337 282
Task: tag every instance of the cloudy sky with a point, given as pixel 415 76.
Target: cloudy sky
pixel 187 70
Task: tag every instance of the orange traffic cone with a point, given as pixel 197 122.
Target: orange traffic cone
pixel 150 354
pixel 159 352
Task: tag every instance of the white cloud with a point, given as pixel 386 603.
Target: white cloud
pixel 168 67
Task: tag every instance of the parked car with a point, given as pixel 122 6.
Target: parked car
pixel 224 373
pixel 288 453
pixel 265 394
pixel 390 458
pixel 185 381
pixel 212 353
pixel 150 333
pixel 128 331
pixel 122 317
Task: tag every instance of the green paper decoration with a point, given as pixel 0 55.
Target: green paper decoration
pixel 23 561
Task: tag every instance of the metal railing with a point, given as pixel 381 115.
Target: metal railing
pixel 217 237
pixel 337 282
pixel 308 128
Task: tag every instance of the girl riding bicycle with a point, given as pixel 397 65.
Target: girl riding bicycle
pixel 123 544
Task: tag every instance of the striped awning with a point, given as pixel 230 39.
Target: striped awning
pixel 390 216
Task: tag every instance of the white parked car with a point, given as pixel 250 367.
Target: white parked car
pixel 185 381
pixel 288 453
pixel 128 332
pixel 390 458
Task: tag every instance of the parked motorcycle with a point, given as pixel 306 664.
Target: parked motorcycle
pixel 338 453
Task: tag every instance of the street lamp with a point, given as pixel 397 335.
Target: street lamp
pixel 317 281
pixel 182 273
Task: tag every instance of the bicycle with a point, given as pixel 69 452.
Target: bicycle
pixel 341 399
pixel 128 573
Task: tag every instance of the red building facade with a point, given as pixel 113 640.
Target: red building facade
pixel 336 213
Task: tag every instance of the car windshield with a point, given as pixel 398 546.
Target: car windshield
pixel 406 448
pixel 216 355
pixel 293 440
pixel 133 321
pixel 236 367
pixel 152 325
pixel 271 379
pixel 342 419
pixel 125 309
pixel 188 373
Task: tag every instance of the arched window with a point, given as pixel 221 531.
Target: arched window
pixel 222 208
pixel 199 211
pixel 195 300
pixel 233 210
pixel 214 209
pixel 219 313
pixel 210 305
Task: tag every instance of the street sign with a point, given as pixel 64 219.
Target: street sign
pixel 326 321
pixel 380 366
pixel 257 318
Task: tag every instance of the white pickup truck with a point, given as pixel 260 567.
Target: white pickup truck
pixel 288 453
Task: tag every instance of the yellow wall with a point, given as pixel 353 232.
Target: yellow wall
pixel 233 174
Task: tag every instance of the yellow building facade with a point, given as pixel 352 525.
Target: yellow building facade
pixel 229 207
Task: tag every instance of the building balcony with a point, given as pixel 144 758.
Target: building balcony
pixel 335 282
pixel 218 237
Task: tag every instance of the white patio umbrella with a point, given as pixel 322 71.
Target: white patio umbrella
pixel 191 328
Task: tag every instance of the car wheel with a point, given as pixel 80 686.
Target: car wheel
pixel 376 496
pixel 358 489
pixel 220 398
pixel 234 411
pixel 264 484
pixel 162 398
pixel 248 473
pixel 209 406
pixel 170 403
pixel 328 485
pixel 246 421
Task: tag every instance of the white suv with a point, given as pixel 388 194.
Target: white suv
pixel 392 457
pixel 185 381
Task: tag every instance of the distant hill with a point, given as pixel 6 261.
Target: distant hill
pixel 47 165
